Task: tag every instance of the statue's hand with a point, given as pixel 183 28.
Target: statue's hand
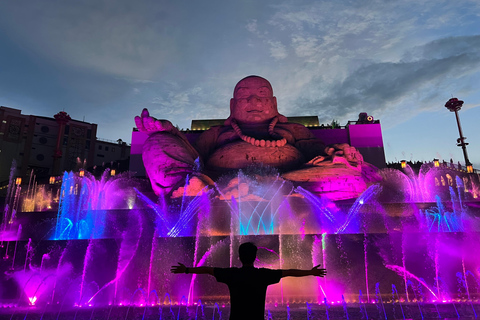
pixel 317 161
pixel 344 150
pixel 146 123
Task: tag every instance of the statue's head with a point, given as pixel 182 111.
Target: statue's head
pixel 253 102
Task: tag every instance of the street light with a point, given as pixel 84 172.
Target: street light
pixel 454 105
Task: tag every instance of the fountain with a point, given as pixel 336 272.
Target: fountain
pixel 108 247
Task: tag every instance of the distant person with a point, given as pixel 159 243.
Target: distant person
pixel 248 285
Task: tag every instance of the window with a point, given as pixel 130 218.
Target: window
pixel 43 140
pixel 67 129
pixel 113 149
pixel 100 155
pixel 106 148
pixel 99 147
pixel 40 157
pixel 44 129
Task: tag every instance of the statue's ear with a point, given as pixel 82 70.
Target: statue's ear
pixel 281 117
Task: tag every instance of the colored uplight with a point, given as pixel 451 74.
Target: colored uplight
pixel 51 180
pixel 32 300
pixel 436 163
pixel 18 181
pixel 81 173
pixel 470 168
pixel 112 172
pixel 404 164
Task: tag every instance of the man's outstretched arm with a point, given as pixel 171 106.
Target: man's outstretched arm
pixel 315 271
pixel 181 268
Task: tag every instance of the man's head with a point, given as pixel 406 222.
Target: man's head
pixel 253 101
pixel 247 253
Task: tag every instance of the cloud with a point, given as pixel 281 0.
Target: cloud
pixel 188 104
pixel 181 59
pixel 445 47
pixel 385 88
pixel 277 50
pixel 375 56
pixel 116 38
pixel 252 27
pixel 305 47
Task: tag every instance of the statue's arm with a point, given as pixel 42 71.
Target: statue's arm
pixel 316 151
pixel 207 142
pixel 310 146
pixel 344 150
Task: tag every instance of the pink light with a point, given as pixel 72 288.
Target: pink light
pixel 32 300
pixel 331 205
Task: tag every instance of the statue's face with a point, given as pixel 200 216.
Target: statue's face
pixel 253 101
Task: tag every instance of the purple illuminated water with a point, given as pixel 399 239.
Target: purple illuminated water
pixel 111 243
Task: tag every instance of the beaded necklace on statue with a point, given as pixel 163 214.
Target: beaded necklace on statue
pixel 261 143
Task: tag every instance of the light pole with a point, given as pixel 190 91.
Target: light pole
pixel 454 105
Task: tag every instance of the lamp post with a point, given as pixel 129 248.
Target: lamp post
pixel 454 105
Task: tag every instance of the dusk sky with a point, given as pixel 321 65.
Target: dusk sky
pixel 104 61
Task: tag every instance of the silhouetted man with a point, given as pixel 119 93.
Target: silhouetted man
pixel 248 285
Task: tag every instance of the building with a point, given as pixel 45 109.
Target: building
pixel 51 145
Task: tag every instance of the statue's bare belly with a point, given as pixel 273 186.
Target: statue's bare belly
pixel 240 154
